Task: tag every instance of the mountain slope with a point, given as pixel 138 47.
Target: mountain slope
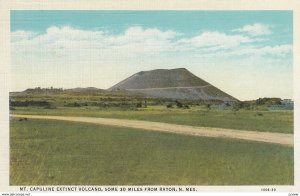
pixel 172 84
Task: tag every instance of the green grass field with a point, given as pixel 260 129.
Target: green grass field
pixel 270 121
pixel 64 153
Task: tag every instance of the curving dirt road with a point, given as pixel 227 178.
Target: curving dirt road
pixel 278 138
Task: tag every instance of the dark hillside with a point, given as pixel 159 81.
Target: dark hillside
pixel 172 84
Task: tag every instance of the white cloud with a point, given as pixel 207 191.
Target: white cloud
pixel 22 35
pixel 69 57
pixel 139 34
pixel 278 50
pixel 76 43
pixel 216 40
pixel 255 29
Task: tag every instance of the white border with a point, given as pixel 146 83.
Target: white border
pixel 6 6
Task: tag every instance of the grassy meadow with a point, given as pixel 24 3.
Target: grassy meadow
pixel 270 121
pixel 45 152
pixel 65 153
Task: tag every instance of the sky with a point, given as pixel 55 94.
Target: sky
pixel 247 54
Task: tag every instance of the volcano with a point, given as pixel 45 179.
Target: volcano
pixel 172 84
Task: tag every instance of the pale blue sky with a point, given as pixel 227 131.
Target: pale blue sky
pixel 187 22
pixel 245 53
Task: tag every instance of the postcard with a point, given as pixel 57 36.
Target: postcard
pixel 137 96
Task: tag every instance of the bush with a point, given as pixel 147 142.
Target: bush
pixel 259 114
pixel 208 106
pixel 179 104
pixel 237 106
pixel 139 105
pixel 185 106
pixel 169 105
pixel 76 104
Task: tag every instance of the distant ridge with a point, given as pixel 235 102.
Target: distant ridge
pixel 173 84
pixel 88 89
pixel 47 91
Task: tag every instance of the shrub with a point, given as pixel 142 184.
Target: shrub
pixel 179 104
pixel 139 105
pixel 208 106
pixel 169 105
pixel 185 106
pixel 76 104
pixel 259 114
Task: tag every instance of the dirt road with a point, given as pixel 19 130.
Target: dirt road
pixel 278 138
